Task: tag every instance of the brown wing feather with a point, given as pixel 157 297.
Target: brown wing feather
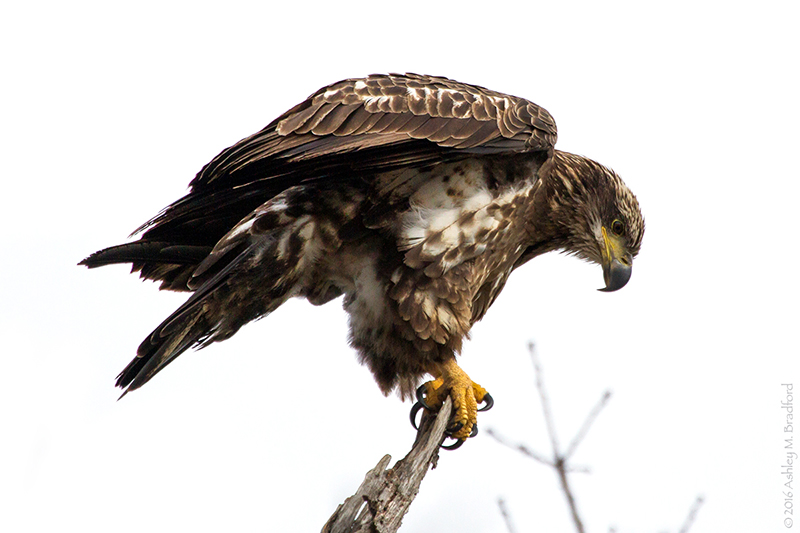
pixel 451 114
pixel 355 128
pixel 431 96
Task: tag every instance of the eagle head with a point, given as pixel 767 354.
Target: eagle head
pixel 598 216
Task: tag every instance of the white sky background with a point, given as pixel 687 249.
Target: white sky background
pixel 109 111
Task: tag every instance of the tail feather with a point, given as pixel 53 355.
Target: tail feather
pixel 145 252
pixel 249 274
pixel 152 357
pixel 194 323
pixel 169 263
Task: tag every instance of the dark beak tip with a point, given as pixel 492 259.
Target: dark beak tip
pixel 616 276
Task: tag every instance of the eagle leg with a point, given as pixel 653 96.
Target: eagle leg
pixel 466 395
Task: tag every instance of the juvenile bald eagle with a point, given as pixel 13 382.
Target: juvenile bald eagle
pixel 413 196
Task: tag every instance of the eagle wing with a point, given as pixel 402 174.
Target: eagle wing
pixel 353 129
pixel 382 119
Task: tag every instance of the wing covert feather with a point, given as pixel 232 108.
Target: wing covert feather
pixel 393 113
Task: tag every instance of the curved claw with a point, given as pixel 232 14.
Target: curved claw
pixel 489 402
pixel 453 429
pixel 413 415
pixel 421 397
pixel 456 445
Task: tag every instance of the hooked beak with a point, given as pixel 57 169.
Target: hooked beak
pixel 617 263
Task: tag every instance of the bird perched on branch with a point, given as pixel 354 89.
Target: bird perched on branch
pixel 413 196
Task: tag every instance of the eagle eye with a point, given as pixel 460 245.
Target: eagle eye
pixel 618 227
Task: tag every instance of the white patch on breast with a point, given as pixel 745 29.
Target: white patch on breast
pixel 441 201
pixel 454 209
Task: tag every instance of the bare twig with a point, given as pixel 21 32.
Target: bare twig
pixel 384 497
pixel 559 459
pixel 536 456
pixel 584 429
pixel 521 448
pixel 501 503
pixel 573 507
pixel 548 413
pixel 698 502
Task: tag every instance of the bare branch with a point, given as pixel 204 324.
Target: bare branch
pixel 698 502
pixel 573 508
pixel 384 497
pixel 548 413
pixel 559 460
pixel 584 429
pixel 524 450
pixel 536 456
pixel 501 503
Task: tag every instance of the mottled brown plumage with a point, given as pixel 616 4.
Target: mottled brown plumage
pixel 413 196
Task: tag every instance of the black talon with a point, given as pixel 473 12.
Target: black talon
pixel 487 398
pixel 453 429
pixel 456 445
pixel 414 410
pixel 421 397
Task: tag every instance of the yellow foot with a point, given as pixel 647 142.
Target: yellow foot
pixel 466 395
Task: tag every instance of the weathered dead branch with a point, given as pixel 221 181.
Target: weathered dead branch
pixel 384 497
